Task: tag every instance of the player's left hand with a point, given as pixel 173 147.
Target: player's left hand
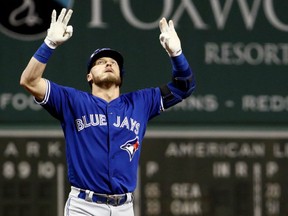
pixel 169 38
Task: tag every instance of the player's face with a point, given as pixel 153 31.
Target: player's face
pixel 105 71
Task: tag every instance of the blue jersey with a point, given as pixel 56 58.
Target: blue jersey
pixel 103 140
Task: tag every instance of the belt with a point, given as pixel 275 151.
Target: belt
pixel 114 200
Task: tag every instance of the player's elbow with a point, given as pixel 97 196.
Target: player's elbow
pixel 34 85
pixel 25 81
pixel 172 94
pixel 184 85
pixel 29 78
pixel 189 90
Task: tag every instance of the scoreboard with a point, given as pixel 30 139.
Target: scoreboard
pixel 220 173
pixel 181 173
pixel 33 175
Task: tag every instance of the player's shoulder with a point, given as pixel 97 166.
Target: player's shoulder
pixel 68 90
pixel 142 93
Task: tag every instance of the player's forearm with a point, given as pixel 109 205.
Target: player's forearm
pixel 36 66
pixel 31 78
pixel 32 73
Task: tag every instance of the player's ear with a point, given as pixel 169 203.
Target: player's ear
pixel 89 77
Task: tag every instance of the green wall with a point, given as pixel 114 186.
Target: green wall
pixel 238 51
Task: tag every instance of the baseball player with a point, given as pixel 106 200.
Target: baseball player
pixel 104 129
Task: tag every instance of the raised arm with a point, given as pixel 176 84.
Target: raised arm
pixel 183 81
pixel 31 78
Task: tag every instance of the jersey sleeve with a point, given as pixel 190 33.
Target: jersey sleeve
pixel 149 101
pixel 56 100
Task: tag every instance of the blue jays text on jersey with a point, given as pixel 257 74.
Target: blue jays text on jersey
pixel 100 120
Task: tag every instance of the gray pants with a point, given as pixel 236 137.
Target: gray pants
pixel 80 207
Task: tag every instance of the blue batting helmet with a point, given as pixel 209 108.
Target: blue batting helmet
pixel 106 52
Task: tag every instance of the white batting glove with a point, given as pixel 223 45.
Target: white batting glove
pixel 169 38
pixel 59 32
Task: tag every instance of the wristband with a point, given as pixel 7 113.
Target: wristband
pixel 43 53
pixel 179 63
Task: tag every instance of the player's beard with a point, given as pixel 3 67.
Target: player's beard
pixel 107 81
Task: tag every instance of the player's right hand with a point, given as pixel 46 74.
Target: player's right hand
pixel 59 32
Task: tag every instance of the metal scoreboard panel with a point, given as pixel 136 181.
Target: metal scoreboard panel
pixel 194 172
pixel 33 174
pixel 214 173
